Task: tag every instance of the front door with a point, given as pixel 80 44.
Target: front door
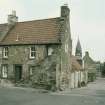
pixel 18 72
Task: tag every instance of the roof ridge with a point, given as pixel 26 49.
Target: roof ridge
pixel 33 20
pixel 39 20
pixel 3 24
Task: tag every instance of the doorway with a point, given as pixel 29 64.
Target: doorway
pixel 18 72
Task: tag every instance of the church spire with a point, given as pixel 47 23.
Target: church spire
pixel 78 51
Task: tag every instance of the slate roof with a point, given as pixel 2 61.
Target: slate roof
pixel 75 65
pixel 3 27
pixel 46 31
pixel 90 64
pixel 88 60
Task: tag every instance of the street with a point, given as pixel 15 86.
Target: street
pixel 93 94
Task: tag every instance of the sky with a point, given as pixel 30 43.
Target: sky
pixel 87 19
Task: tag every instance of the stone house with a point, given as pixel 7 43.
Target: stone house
pixel 37 50
pixel 90 66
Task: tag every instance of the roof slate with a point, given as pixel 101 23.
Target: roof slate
pixel 3 27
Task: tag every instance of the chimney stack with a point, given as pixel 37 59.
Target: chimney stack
pixel 65 10
pixel 86 53
pixel 12 18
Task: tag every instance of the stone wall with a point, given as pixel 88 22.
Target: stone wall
pixel 47 67
pixel 90 66
pixel 20 55
pixel 66 49
pixel 48 72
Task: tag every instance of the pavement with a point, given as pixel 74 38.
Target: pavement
pixel 93 88
pixel 93 94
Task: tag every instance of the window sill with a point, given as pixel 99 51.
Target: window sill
pixel 31 58
pixel 4 77
pixel 5 57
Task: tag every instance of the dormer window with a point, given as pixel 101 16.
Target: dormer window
pixel 32 52
pixel 5 52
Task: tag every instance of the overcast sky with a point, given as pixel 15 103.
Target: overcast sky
pixel 87 19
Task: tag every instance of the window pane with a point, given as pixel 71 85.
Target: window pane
pixel 6 49
pixel 32 69
pixel 50 51
pixel 32 48
pixel 32 52
pixel 4 71
pixel 5 52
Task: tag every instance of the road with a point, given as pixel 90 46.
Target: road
pixel 93 94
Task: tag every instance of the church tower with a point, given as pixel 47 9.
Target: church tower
pixel 78 52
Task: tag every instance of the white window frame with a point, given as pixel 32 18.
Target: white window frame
pixel 5 52
pixel 50 51
pixel 31 69
pixel 66 48
pixel 4 71
pixel 32 51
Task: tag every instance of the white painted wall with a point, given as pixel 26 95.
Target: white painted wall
pixel 76 79
pixel 73 80
pixel 82 76
pixel 79 76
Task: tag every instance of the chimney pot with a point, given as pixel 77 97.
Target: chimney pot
pixel 13 12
